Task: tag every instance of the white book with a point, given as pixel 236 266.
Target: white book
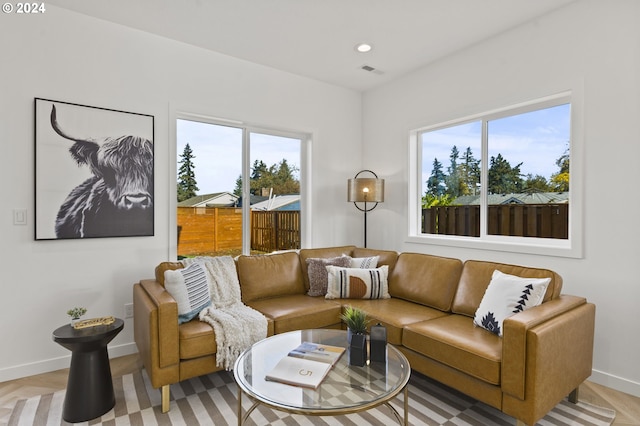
pixel 299 372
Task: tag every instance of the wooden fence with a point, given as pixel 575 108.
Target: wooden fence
pixel 275 230
pixel 218 230
pixel 522 220
pixel 205 230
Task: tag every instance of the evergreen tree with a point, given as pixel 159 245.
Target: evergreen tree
pixel 238 189
pixel 453 180
pixel 469 174
pixel 187 186
pixel 436 182
pixel 504 179
pixel 285 182
pixel 278 177
pixel 259 176
pixel 258 170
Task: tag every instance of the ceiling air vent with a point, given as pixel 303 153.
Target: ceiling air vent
pixel 371 69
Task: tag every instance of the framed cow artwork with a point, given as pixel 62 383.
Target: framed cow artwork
pixel 93 172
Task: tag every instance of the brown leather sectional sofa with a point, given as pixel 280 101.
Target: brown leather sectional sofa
pixel 545 352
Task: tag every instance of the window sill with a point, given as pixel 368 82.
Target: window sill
pixel 537 246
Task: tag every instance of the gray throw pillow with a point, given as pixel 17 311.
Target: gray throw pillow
pixel 317 271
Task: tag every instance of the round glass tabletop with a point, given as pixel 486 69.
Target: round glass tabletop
pixel 346 389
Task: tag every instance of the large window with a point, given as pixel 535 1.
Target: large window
pixel 503 177
pixel 238 188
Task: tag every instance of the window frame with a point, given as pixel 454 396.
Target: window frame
pixel 247 129
pixel 571 247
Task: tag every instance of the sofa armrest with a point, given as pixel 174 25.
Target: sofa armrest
pixel 162 316
pixel 562 328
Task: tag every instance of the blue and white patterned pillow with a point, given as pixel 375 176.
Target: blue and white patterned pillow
pixel 507 295
pixel 190 288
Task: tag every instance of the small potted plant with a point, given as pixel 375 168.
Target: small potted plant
pixel 76 313
pixel 356 321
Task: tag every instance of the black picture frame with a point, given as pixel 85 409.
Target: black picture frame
pixel 94 172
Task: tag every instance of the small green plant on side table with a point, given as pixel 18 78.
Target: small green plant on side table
pixel 76 313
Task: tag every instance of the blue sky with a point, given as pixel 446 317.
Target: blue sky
pixel 218 153
pixel 535 139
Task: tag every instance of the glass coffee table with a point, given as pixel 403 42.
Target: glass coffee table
pixel 345 390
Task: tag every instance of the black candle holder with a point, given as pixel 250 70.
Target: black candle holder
pixel 378 343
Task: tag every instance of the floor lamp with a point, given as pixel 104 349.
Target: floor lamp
pixel 365 190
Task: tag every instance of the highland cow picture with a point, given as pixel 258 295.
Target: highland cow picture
pixel 93 172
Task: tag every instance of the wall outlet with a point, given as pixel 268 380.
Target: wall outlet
pixel 128 310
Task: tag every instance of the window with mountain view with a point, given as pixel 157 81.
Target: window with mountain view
pixel 518 188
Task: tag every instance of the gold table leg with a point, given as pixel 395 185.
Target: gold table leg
pixel 239 406
pixel 406 406
pixel 243 418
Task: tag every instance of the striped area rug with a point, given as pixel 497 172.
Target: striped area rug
pixel 211 400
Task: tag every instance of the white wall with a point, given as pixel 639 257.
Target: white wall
pixel 68 57
pixel 593 48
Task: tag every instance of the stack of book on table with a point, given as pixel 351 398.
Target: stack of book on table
pixel 307 365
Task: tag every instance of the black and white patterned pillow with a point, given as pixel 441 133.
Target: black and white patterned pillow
pixel 370 262
pixel 190 288
pixel 357 283
pixel 507 295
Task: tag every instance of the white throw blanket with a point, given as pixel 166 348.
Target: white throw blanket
pixel 237 326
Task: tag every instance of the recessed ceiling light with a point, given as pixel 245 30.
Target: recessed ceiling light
pixel 363 47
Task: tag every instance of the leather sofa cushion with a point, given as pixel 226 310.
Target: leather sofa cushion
pixel 455 341
pixel 298 312
pixel 196 339
pixel 322 253
pixel 394 314
pixel 425 279
pixel 266 276
pixel 476 276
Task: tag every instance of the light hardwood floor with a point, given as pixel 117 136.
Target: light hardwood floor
pixel 627 407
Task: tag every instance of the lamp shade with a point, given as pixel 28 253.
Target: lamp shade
pixel 370 190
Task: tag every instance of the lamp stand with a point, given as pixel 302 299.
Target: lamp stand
pixel 365 210
pixel 365 224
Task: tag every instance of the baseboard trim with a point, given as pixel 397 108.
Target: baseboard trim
pixel 614 382
pixel 53 364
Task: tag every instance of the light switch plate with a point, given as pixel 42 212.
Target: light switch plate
pixel 19 216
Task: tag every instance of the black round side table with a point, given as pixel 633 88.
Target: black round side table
pixel 90 386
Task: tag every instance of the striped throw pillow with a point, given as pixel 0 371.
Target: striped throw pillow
pixel 357 283
pixel 190 288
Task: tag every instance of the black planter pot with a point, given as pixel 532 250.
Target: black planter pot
pixel 358 350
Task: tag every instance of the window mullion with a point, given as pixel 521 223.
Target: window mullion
pixel 484 180
pixel 246 191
